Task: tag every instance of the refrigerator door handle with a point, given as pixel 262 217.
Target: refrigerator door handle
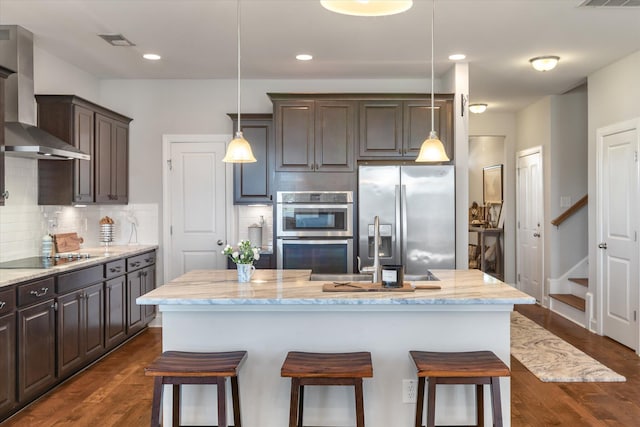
pixel 404 225
pixel 397 256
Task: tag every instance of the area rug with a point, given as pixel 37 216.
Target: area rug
pixel 552 359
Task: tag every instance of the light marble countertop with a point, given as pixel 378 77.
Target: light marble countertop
pixel 10 276
pixel 289 287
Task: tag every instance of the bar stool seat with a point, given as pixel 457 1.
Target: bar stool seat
pixel 325 369
pixel 180 367
pixel 473 367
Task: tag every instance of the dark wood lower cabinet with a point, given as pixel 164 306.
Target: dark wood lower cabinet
pixel 115 326
pixel 7 364
pixel 149 283
pixel 135 318
pixel 36 349
pixel 80 328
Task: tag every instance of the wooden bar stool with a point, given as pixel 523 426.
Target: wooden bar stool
pixel 179 367
pixel 325 369
pixel 473 367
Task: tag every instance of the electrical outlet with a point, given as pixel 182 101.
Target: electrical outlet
pixel 409 391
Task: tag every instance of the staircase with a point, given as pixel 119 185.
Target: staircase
pixel 572 304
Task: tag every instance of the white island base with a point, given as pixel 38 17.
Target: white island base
pixel 389 332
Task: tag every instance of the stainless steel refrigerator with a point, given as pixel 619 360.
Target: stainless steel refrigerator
pixel 416 209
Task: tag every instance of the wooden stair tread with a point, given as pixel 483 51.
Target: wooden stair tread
pixel 584 281
pixel 572 300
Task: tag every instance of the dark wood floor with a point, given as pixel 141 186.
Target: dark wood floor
pixel 115 392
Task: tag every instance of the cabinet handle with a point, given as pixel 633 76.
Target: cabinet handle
pixel 311 166
pixel 2 304
pixel 135 264
pixel 5 194
pixel 115 269
pixel 54 306
pixel 399 150
pixel 41 293
pixel 148 259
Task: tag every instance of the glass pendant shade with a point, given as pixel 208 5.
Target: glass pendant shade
pixel 432 150
pixel 239 151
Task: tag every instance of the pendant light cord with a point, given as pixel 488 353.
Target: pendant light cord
pixel 433 13
pixel 238 22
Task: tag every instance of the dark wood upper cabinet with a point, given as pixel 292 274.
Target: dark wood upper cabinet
pixel 95 130
pixel 335 135
pixel 252 182
pixel 397 128
pixel 314 135
pixel 4 73
pixel 111 163
pixel 380 128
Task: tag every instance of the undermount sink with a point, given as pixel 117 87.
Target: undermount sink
pixel 347 277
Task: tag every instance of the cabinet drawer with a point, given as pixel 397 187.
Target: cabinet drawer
pixel 35 291
pixel 115 268
pixel 79 279
pixel 141 261
pixel 7 300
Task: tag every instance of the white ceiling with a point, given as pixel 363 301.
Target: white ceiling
pixel 197 40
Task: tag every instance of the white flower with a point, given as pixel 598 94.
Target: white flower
pixel 241 256
pixel 235 254
pixel 256 256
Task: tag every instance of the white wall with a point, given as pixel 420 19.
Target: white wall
pixel 614 96
pixel 503 125
pixel 568 174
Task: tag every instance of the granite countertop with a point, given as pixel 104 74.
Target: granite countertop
pixel 10 276
pixel 289 287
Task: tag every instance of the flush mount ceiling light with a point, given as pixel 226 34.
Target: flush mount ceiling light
pixel 432 149
pixel 304 57
pixel 152 56
pixel 367 7
pixel 478 108
pixel 544 63
pixel 239 150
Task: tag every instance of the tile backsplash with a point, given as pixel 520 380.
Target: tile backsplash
pixel 23 222
pixel 250 215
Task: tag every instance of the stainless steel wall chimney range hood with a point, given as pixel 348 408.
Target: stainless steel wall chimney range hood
pixel 22 137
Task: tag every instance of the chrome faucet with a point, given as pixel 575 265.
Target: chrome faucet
pixel 376 267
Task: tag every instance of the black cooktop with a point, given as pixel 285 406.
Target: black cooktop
pixel 38 262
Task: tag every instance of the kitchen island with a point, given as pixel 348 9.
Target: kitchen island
pixel 281 310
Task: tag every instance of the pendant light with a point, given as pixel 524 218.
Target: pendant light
pixel 432 149
pixel 239 150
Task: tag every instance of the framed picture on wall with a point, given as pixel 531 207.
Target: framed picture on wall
pixel 492 184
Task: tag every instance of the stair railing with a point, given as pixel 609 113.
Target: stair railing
pixel 573 209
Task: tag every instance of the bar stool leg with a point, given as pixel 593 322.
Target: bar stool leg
pixel 222 402
pixel 420 402
pixel 295 399
pixel 235 396
pixel 480 404
pixel 496 403
pixel 176 405
pixel 155 405
pixel 300 405
pixel 359 402
pixel 431 402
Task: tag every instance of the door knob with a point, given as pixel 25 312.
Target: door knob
pixel 220 242
pixel 602 246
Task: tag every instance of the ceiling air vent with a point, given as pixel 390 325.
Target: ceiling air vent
pixel 610 3
pixel 116 40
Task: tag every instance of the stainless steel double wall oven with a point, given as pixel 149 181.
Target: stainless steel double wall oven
pixel 314 230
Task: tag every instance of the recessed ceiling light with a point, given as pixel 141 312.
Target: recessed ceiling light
pixel 367 7
pixel 304 57
pixel 151 56
pixel 478 108
pixel 457 56
pixel 544 63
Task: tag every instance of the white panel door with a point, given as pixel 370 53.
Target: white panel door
pixel 529 221
pixel 618 260
pixel 197 193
